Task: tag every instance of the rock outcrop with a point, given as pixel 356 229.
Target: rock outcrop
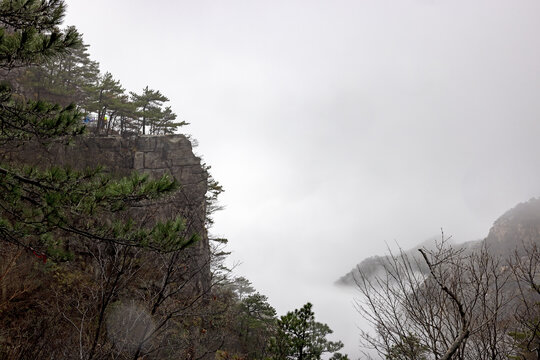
pixel 515 229
pixel 154 155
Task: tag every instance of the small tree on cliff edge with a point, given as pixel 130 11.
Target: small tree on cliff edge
pixel 300 337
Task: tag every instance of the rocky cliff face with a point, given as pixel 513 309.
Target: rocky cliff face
pixel 154 155
pixel 516 228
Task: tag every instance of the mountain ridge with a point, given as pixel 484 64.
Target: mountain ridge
pixel 512 230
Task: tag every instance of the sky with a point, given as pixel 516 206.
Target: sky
pixel 339 128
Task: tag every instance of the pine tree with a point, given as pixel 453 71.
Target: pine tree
pixel 165 122
pixel 126 111
pixel 109 96
pixel 300 337
pixel 150 105
pixel 30 32
pixel 69 79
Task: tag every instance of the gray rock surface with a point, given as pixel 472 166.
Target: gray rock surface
pixel 154 155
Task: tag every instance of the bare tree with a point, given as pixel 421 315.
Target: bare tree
pixel 525 266
pixel 447 303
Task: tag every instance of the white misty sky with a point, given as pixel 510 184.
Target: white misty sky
pixel 339 126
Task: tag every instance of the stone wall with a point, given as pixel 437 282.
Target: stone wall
pixel 155 155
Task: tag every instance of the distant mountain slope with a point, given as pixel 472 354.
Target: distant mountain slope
pixel 516 227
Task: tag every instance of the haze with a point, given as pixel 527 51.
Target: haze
pixel 337 127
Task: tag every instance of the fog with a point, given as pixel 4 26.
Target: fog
pixel 339 127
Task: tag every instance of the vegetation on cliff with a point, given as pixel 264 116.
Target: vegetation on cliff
pixel 81 276
pixel 74 78
pixel 69 249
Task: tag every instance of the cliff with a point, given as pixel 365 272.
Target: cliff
pixel 154 155
pixel 517 227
